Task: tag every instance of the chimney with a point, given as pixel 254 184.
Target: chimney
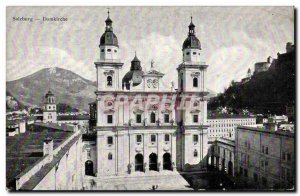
pixel 48 147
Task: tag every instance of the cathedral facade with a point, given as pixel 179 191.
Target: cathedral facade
pixel 142 125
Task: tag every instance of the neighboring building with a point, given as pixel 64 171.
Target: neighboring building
pixel 37 113
pixel 50 161
pixel 225 125
pixel 14 127
pixel 263 66
pixel 221 155
pixel 49 112
pixel 265 157
pixel 82 120
pixel 281 119
pixel 93 115
pixel 145 138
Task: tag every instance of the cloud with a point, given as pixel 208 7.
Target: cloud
pixel 38 58
pixel 163 50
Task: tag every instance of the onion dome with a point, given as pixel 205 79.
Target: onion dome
pixel 109 38
pixel 49 94
pixel 191 41
pixel 135 74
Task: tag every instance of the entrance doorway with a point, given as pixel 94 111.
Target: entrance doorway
pixel 153 162
pixel 167 161
pixel 89 168
pixel 139 162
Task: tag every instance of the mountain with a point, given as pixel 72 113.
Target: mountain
pixel 267 92
pixel 68 87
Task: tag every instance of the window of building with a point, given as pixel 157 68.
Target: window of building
pixel 195 118
pixel 153 138
pixel 194 53
pixel 110 140
pixel 108 50
pixel 110 156
pixel 195 138
pixel 116 51
pixel 138 138
pixel 88 154
pixel 109 119
pixel 187 53
pixel 195 153
pixel 167 137
pixel 138 118
pixel 109 81
pixel 267 150
pixel 167 118
pixel 195 82
pixel 102 50
pixel 152 117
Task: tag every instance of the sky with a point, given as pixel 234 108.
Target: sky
pixel 233 39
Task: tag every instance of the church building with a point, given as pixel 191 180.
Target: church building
pixel 142 125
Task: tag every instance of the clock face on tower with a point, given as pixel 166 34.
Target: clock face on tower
pixel 149 83
pixel 155 83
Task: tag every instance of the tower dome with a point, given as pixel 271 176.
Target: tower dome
pixel 191 42
pixel 49 94
pixel 135 74
pixel 108 38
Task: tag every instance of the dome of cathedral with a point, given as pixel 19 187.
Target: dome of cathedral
pixel 109 38
pixel 135 74
pixel 191 42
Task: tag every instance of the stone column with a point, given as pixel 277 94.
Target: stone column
pixel 159 152
pixel 99 153
pixel 132 152
pixel 146 153
pixel 173 146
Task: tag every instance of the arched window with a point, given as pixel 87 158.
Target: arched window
pixel 110 156
pixel 109 81
pixel 195 82
pixel 152 117
pixel 195 153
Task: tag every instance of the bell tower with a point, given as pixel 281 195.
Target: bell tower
pixel 108 66
pixel 191 73
pixel 49 113
pixel 193 93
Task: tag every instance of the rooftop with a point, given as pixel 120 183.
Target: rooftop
pixel 279 132
pixel 219 116
pixel 23 150
pixel 73 117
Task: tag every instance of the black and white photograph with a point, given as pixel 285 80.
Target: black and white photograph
pixel 150 98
